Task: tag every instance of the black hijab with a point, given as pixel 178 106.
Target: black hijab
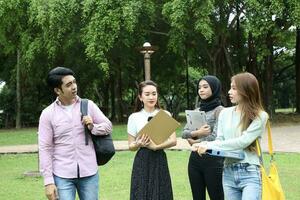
pixel 215 99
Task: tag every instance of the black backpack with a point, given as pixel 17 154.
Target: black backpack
pixel 103 144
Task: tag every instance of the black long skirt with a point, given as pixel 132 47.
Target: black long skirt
pixel 150 179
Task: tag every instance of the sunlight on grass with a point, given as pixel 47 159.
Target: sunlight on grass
pixel 285 110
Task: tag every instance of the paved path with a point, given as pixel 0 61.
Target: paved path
pixel 285 139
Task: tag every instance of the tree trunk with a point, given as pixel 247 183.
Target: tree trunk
pixel 106 98
pixel 223 69
pixel 119 95
pixel 252 60
pixel 18 91
pixel 297 66
pixel 186 62
pixel 238 40
pixel 269 62
pixel 112 97
pixel 252 56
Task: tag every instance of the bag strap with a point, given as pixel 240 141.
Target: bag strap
pixel 258 149
pixel 84 112
pixel 270 145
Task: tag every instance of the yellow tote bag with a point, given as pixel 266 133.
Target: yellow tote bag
pixel 271 187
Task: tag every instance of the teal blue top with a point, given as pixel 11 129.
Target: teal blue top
pixel 231 138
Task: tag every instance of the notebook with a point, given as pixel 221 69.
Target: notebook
pixel 240 155
pixel 160 127
pixel 195 119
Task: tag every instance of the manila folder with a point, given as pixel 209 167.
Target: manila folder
pixel 160 127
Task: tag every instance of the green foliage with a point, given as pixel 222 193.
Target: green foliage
pixel 56 18
pixel 111 24
pixel 99 40
pixel 294 10
pixel 261 16
pixel 187 19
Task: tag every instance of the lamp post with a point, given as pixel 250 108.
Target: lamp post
pixel 147 50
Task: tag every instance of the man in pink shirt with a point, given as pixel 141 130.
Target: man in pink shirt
pixel 66 162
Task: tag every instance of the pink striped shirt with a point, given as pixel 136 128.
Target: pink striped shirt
pixel 62 148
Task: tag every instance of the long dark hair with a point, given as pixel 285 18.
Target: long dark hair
pixel 138 104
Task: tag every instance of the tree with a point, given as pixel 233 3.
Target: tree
pixel 297 67
pixel 14 38
pixel 99 40
pixel 126 22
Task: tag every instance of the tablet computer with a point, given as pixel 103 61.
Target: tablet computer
pixel 195 119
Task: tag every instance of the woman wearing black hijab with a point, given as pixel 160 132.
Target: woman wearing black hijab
pixel 205 172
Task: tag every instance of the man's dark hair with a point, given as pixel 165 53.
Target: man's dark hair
pixel 54 78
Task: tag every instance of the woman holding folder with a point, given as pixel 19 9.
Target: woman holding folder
pixel 205 172
pixel 238 128
pixel 150 177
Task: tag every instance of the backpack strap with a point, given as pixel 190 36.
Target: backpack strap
pixel 84 112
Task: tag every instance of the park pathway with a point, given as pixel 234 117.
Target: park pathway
pixel 285 139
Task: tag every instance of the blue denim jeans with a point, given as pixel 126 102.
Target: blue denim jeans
pixel 87 187
pixel 242 181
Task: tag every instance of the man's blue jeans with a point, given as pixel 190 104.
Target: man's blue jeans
pixel 242 181
pixel 87 187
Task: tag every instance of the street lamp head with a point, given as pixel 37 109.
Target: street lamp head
pixel 147 48
pixel 147 44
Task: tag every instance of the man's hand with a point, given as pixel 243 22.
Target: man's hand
pixel 51 192
pixel 87 120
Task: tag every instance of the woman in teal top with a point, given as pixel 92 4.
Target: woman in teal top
pixel 238 128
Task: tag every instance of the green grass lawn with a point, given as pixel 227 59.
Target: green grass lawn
pixel 16 137
pixel 115 176
pixel 29 135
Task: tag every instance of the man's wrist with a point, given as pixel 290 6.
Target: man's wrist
pixel 48 180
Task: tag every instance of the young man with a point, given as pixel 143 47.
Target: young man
pixel 66 162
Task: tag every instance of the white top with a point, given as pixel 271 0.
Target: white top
pixel 138 120
pixel 69 109
pixel 230 137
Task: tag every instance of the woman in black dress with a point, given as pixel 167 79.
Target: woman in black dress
pixel 150 179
